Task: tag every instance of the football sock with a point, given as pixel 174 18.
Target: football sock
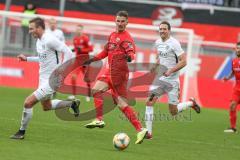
pixel 184 105
pixel 89 89
pixel 98 103
pixel 56 104
pixel 233 118
pixel 26 117
pixel 132 117
pixel 74 85
pixel 149 118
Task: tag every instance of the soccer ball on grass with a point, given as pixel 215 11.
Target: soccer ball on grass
pixel 121 141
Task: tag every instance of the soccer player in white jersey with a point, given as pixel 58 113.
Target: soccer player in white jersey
pixel 170 55
pixel 46 46
pixel 53 30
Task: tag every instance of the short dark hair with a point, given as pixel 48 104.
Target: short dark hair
pixel 39 22
pixel 238 43
pixel 167 23
pixel 122 14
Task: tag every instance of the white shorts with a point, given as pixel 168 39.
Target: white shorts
pixel 171 87
pixel 44 91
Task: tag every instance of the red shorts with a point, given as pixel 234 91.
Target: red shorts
pixel 236 95
pixel 79 69
pixel 117 89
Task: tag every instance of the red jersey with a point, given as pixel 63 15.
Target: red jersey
pixel 236 71
pixel 118 47
pixel 82 44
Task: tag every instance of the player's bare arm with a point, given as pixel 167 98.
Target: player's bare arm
pixel 22 57
pixel 153 69
pixel 182 62
pixel 98 57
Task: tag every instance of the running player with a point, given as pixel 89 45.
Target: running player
pixel 47 48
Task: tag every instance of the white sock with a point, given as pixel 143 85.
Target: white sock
pixel 149 118
pixel 26 117
pixel 56 104
pixel 184 105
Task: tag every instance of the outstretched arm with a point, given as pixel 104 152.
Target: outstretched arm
pixel 98 57
pixel 22 57
pixel 101 55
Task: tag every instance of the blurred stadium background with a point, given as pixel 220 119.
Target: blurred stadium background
pixel 207 30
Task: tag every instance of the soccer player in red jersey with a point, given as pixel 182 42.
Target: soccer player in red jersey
pixel 82 46
pixel 236 91
pixel 119 49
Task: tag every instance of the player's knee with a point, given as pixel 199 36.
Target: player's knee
pixel 173 111
pixel 233 106
pixel 149 103
pixel 46 108
pixel 28 104
pixel 122 104
pixel 96 91
pixel 121 107
pixel 151 100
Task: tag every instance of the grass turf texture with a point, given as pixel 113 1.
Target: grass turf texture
pixel 191 137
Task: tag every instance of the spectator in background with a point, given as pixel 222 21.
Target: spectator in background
pixel 54 30
pixel 231 3
pixel 82 47
pixel 29 9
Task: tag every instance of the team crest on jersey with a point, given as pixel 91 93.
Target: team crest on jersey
pixel 112 46
pixel 118 39
pixel 164 50
pixel 130 45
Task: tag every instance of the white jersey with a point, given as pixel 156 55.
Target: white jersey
pixel 58 33
pixel 168 53
pixel 48 49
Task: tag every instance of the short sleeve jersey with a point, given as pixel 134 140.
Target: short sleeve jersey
pixel 168 52
pixel 48 48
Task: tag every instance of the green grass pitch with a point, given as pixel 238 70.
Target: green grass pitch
pixel 190 137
